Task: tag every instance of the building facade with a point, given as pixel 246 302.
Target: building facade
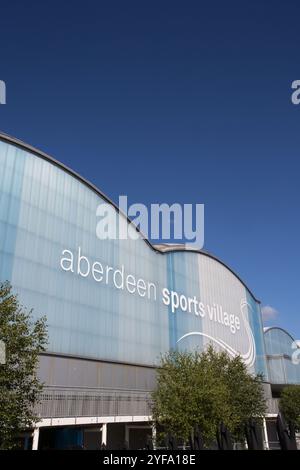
pixel 113 306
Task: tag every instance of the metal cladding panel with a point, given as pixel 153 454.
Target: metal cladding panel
pixel 45 211
pixel 68 372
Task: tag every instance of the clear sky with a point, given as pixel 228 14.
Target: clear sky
pixel 172 101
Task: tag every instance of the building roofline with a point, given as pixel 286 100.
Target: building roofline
pixel 269 328
pixel 158 248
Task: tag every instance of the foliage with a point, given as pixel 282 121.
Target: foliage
pixel 19 386
pixel 290 405
pixel 205 389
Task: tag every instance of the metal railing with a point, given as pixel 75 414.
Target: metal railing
pixel 58 402
pixel 77 402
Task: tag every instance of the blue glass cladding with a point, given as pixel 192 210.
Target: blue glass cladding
pixel 280 348
pixel 45 210
pixel 11 179
pixel 172 316
pixel 257 327
pixel 183 278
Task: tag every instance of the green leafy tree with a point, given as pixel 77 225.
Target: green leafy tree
pixel 205 389
pixel 187 394
pixel 24 339
pixel 290 405
pixel 246 395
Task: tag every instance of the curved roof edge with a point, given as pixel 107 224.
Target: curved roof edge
pixel 268 328
pixel 158 248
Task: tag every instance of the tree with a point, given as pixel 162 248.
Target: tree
pixel 290 405
pixel 205 389
pixel 246 395
pixel 24 339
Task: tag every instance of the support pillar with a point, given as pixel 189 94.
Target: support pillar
pixel 104 435
pixel 154 436
pixel 35 440
pixel 265 431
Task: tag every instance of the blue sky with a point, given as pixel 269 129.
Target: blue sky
pixel 172 102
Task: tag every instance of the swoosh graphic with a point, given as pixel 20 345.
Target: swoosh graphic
pixel 249 356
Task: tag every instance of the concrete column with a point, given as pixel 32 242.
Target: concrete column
pixel 126 434
pixel 104 434
pixel 265 431
pixel 35 440
pixel 154 436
